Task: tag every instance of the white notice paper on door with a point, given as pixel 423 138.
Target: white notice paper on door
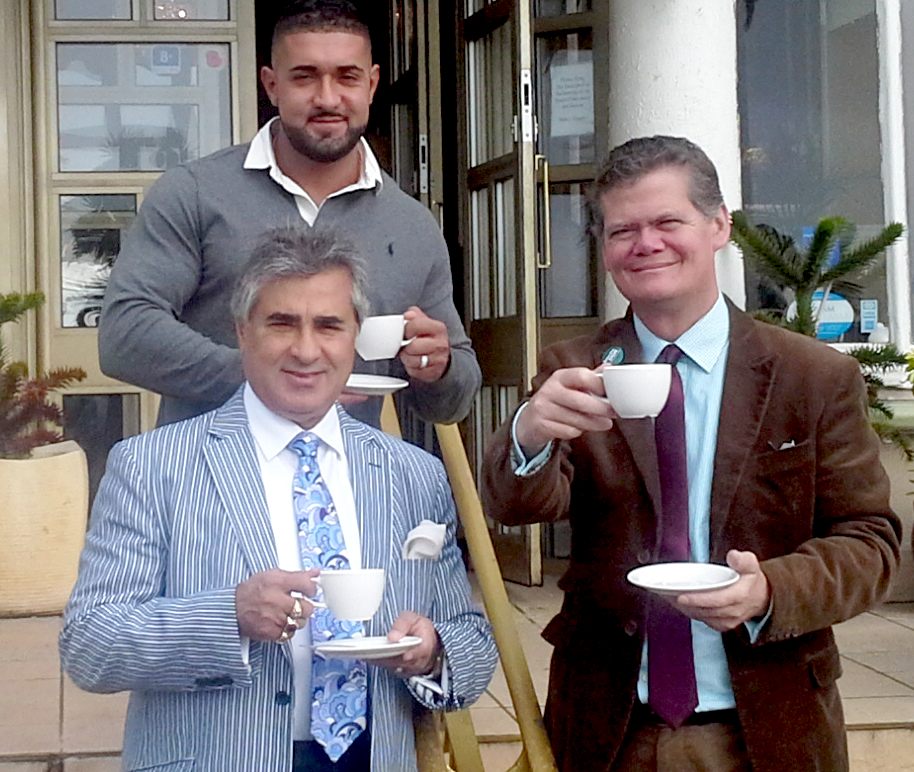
pixel 572 99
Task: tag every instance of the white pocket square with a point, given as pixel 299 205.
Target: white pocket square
pixel 425 541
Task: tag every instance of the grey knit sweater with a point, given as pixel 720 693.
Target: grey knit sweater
pixel 166 324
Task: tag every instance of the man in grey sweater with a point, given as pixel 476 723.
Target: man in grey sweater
pixel 166 324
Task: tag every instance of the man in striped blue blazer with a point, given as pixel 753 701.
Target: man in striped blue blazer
pixel 190 591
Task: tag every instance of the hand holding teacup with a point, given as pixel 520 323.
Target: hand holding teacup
pixel 569 403
pixel 421 342
pixel 270 605
pixel 429 352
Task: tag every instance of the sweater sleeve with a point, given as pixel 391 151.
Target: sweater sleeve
pixel 448 399
pixel 141 339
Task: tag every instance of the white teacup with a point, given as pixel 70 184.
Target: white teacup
pixel 637 391
pixel 381 337
pixel 352 593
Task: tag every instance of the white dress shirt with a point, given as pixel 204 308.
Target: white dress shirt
pixel 272 435
pixel 261 156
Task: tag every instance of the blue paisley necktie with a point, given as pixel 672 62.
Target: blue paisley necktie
pixel 339 698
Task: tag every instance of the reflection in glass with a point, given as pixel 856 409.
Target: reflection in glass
pixel 141 107
pixel 191 10
pixel 490 96
pixel 565 106
pixel 105 10
pixel 90 238
pixel 808 90
pixel 569 287
pixel 560 7
pixel 404 37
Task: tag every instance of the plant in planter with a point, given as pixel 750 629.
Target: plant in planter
pixel 43 484
pixel 832 261
pixel 27 418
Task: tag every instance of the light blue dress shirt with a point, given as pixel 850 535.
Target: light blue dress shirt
pixel 705 345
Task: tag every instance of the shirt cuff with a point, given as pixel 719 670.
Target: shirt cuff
pixel 522 465
pixel 755 625
pixel 432 689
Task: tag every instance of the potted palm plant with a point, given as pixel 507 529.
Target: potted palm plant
pixel 43 483
pixel 832 261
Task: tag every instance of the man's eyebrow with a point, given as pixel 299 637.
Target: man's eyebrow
pixel 329 320
pixel 342 69
pixel 283 318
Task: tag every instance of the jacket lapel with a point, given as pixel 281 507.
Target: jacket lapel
pixel 232 460
pixel 369 471
pixel 746 394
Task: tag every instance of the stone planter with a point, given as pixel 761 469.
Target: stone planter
pixel 44 504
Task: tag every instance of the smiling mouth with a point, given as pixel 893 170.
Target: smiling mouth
pixel 303 376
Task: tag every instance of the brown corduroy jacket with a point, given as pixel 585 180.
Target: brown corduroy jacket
pixel 816 513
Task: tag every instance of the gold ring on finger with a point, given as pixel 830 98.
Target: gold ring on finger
pixel 284 636
pixel 296 608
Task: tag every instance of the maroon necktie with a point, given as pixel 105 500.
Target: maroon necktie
pixel 672 692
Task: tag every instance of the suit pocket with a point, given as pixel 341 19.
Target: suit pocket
pixel 777 462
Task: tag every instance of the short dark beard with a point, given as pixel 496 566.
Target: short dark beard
pixel 323 151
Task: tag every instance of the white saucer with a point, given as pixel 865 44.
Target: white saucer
pixel 678 578
pixel 375 647
pixel 373 385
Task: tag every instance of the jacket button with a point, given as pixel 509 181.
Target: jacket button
pixel 631 627
pixel 644 557
pixel 282 698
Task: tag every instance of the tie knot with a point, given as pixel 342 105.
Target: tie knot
pixel 670 355
pixel 305 445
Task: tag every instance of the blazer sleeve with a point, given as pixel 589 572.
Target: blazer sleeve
pixel 847 565
pixel 544 495
pixel 119 631
pixel 140 337
pixel 470 653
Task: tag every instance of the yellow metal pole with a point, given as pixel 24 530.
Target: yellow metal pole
pixel 538 753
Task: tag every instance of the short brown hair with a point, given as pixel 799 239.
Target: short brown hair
pixel 629 162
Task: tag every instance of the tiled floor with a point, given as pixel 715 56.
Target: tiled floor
pixel 42 715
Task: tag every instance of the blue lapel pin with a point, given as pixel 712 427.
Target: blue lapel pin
pixel 613 356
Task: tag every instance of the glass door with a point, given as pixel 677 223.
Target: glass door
pixel 498 135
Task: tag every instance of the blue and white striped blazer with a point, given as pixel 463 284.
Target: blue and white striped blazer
pixel 180 519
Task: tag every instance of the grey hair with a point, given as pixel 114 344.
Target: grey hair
pixel 298 252
pixel 629 162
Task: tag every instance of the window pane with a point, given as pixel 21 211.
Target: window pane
pixel 564 65
pixel 560 7
pixel 93 9
pixel 191 10
pixel 569 287
pixel 90 238
pixel 490 96
pixel 809 121
pixel 141 107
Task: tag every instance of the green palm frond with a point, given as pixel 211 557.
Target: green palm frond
pixel 777 258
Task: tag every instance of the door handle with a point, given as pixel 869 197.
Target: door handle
pixel 544 256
